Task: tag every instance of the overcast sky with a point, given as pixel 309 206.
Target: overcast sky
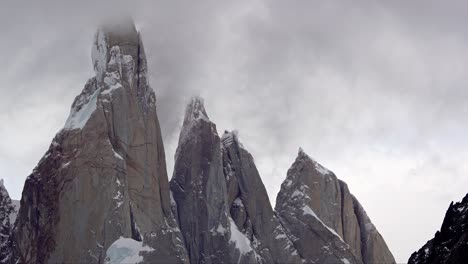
pixel 374 91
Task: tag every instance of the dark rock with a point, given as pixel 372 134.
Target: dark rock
pixel 450 244
pixel 7 211
pixel 250 205
pixel 326 223
pixel 200 192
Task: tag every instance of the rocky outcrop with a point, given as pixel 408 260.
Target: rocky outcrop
pixel 250 206
pixel 199 190
pixel 103 178
pixel 7 212
pixel 450 244
pixel 325 222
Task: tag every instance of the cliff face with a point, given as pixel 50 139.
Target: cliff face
pixel 326 223
pixel 200 193
pixel 250 207
pixel 450 244
pixel 104 176
pixel 7 213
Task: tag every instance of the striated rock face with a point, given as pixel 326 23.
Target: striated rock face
pixel 250 207
pixel 104 176
pixel 450 244
pixel 199 190
pixel 7 213
pixel 326 223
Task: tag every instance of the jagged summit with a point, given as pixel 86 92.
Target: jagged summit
pixel 450 243
pixel 195 110
pixel 120 33
pixel 199 191
pixel 195 119
pixel 119 63
pixel 303 158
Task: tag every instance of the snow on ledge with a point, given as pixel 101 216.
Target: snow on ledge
pixel 345 261
pixel 78 119
pixel 308 211
pixel 126 250
pixel 237 238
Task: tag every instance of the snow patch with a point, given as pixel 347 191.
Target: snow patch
pixel 345 261
pixel 78 119
pixel 308 211
pixel 117 155
pixel 297 193
pixel 112 81
pixel 119 198
pixel 221 229
pixel 280 236
pixel 321 169
pixel 65 165
pixel 426 251
pixel 238 202
pixel 241 242
pixel 126 250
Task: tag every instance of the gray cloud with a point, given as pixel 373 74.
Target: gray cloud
pixel 373 90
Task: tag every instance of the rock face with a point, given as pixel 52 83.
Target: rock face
pixel 104 176
pixel 7 212
pixel 450 244
pixel 325 222
pixel 101 193
pixel 250 206
pixel 199 189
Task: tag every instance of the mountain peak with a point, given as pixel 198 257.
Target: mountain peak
pixel 114 37
pixel 301 153
pixel 302 157
pixel 112 131
pixel 196 110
